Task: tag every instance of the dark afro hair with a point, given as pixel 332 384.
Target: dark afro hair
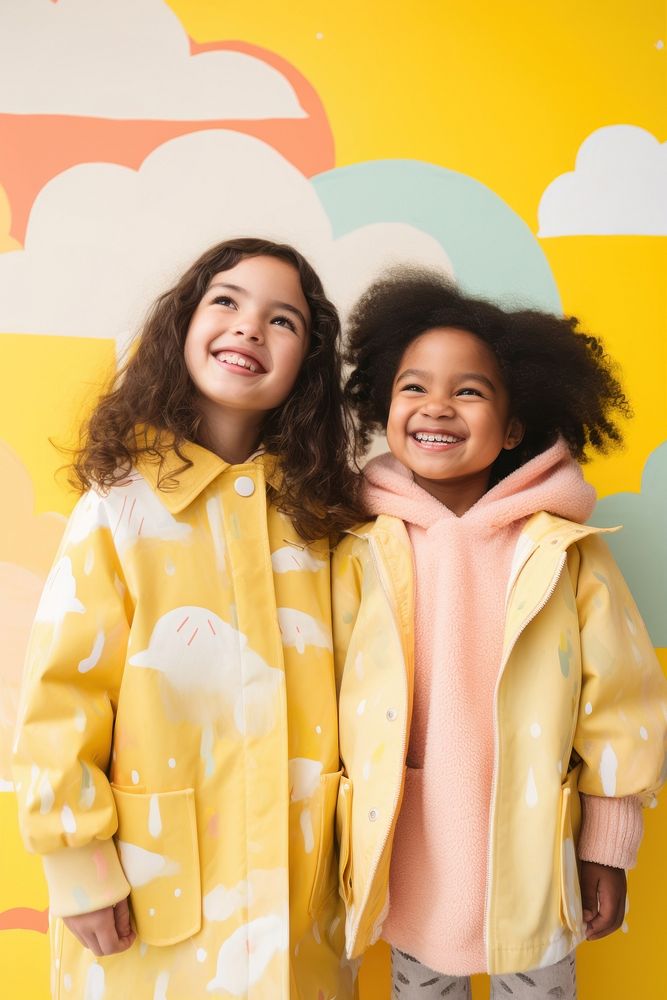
pixel 559 379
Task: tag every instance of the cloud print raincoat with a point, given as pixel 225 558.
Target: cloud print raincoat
pixel 575 650
pixel 178 741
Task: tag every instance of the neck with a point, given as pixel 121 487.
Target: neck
pixel 232 435
pixel 457 495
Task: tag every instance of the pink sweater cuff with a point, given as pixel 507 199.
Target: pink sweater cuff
pixel 611 830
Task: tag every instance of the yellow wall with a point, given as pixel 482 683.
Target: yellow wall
pixel 503 93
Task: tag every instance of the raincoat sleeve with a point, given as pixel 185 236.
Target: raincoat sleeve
pixel 63 742
pixel 621 726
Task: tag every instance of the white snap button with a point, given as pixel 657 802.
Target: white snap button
pixel 392 714
pixel 373 815
pixel 244 486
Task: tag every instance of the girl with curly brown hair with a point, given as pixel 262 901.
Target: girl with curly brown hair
pixel 177 756
pixel 535 729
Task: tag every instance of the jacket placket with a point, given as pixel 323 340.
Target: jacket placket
pixel 244 512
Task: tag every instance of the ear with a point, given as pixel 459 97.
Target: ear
pixel 514 434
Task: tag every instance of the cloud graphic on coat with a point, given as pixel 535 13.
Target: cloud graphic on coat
pixel 142 866
pixel 260 890
pixel 129 234
pixel 618 187
pixel 210 671
pixel 293 557
pixel 300 630
pixel 120 59
pixel 59 595
pixel 245 955
pixel 641 547
pixel 221 903
pixel 130 511
pixel 304 777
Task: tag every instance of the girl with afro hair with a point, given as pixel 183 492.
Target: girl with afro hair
pixel 499 697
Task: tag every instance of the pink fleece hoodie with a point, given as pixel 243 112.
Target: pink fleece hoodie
pixel 439 862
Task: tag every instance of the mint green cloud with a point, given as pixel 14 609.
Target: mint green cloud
pixel 492 250
pixel 641 548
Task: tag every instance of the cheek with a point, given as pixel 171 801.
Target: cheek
pixel 188 353
pixel 192 344
pixel 292 357
pixel 395 425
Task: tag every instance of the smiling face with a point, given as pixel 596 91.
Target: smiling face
pixel 449 416
pixel 245 345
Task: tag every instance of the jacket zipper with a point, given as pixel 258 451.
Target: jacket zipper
pixel 373 871
pixel 496 747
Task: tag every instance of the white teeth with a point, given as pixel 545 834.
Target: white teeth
pixel 439 438
pixel 237 359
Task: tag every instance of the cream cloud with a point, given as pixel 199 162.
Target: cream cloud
pixel 125 60
pixel 104 240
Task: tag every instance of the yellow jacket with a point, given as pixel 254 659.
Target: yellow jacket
pixel 178 740
pixel 572 636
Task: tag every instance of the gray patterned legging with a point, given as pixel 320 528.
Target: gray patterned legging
pixel 413 981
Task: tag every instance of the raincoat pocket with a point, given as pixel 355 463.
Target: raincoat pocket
pixel 157 846
pixel 570 822
pixel 324 882
pixel 343 838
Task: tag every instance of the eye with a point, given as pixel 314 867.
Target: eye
pixel 285 321
pixel 412 387
pixel 224 300
pixel 469 391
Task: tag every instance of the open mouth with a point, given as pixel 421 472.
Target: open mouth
pixel 241 362
pixel 427 439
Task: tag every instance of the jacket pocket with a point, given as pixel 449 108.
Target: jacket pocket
pixel 324 881
pixel 157 846
pixel 344 839
pixel 570 821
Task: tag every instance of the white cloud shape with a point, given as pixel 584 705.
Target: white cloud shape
pixel 134 511
pixel 618 187
pixel 142 866
pixel 59 595
pixel 292 557
pixel 211 671
pixel 245 955
pixel 363 254
pixel 121 59
pixel 304 777
pixel 130 510
pixel 221 903
pixel 300 630
pixel 103 240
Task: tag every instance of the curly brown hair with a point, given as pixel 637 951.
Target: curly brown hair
pixel 559 379
pixel 311 432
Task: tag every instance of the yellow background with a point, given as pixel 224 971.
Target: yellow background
pixel 505 93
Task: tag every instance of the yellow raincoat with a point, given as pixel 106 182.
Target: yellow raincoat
pixel 575 653
pixel 178 741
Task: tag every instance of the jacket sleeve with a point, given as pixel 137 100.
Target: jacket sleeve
pixel 622 718
pixel 63 743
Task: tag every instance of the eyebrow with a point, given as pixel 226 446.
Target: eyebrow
pixel 276 305
pixel 462 376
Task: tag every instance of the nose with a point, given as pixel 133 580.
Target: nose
pixel 436 408
pixel 248 325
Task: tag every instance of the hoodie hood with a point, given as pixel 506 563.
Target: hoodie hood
pixel 552 482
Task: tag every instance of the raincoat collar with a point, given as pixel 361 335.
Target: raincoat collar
pixel 177 487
